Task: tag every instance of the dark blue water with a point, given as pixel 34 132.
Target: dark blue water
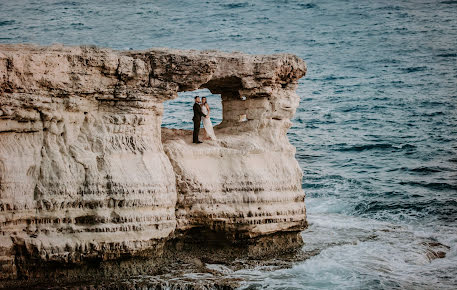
pixel 376 130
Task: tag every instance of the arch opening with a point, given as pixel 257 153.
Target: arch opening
pixel 178 113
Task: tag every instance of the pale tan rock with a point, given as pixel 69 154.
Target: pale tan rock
pixel 84 172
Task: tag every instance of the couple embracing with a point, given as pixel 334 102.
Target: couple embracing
pixel 201 109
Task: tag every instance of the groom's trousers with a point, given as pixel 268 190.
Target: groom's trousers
pixel 196 131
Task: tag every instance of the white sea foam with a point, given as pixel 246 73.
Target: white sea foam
pixel 362 253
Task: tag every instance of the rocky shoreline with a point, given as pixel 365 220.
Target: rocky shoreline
pixel 183 263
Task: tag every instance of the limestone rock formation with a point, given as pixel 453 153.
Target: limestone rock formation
pixel 87 172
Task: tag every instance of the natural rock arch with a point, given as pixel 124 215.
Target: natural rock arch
pixel 108 184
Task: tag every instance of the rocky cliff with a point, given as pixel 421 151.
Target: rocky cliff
pixel 88 174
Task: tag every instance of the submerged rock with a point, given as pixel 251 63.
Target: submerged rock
pixel 88 178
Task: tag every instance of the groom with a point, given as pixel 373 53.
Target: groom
pixel 198 114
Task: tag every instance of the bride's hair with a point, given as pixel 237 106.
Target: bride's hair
pixel 204 98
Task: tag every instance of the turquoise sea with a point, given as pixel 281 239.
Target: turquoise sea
pixel 376 130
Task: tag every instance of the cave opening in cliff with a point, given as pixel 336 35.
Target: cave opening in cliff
pixel 178 113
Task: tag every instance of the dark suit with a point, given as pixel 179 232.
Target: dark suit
pixel 198 114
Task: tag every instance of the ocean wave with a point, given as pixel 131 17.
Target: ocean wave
pixel 408 207
pixel 447 54
pixel 428 169
pixel 236 5
pixel 423 169
pixel 307 5
pixel 7 22
pixel 431 185
pixel 414 69
pixel 67 3
pixel 377 146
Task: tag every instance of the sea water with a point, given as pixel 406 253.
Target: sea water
pixel 375 132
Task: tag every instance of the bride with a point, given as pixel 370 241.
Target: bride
pixel 207 121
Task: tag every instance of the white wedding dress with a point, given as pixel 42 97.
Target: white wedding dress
pixel 207 124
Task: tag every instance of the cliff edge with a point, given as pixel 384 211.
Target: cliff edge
pixel 88 174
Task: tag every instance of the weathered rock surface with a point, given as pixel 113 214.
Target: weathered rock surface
pixel 87 173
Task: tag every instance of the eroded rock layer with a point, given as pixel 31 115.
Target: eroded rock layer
pixel 85 174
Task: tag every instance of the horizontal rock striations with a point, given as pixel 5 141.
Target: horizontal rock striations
pixel 87 173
